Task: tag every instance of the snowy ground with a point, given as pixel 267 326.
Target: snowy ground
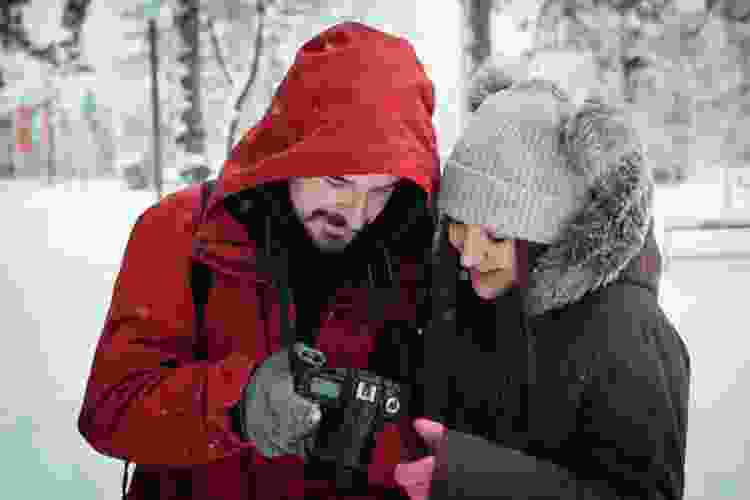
pixel 59 258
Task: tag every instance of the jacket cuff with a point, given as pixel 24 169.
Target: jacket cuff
pixel 468 467
pixel 237 416
pixel 471 467
pixel 237 412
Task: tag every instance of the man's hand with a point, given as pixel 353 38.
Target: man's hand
pixel 415 477
pixel 279 421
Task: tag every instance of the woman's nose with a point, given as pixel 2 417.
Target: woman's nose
pixel 474 247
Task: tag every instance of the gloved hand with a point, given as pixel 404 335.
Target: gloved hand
pixel 277 420
pixel 415 477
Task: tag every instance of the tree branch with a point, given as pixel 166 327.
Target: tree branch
pixel 694 33
pixel 46 54
pixel 218 53
pixel 252 77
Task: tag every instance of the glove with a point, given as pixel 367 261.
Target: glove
pixel 415 477
pixel 278 420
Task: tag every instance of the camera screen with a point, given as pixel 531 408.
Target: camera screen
pixel 325 388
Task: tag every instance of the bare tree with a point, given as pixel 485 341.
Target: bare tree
pixel 187 20
pixel 261 8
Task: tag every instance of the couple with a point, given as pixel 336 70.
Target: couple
pixel 523 285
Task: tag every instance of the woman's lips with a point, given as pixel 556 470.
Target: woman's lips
pixel 476 276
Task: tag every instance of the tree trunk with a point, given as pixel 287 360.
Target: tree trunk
pixel 190 30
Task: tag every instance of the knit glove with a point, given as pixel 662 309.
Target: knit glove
pixel 277 420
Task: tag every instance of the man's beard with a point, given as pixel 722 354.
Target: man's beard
pixel 331 246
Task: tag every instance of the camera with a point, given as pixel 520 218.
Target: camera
pixel 355 405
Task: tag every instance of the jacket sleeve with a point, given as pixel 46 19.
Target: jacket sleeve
pixel 631 438
pixel 147 400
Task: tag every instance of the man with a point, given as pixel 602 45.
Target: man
pixel 315 231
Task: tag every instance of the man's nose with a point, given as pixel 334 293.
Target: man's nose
pixel 474 247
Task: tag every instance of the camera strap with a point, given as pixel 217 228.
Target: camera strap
pixel 288 332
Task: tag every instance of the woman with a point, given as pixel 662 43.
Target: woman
pixel 550 370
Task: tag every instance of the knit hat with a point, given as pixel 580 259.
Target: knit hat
pixel 509 170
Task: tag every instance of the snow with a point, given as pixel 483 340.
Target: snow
pixel 58 260
pixel 91 219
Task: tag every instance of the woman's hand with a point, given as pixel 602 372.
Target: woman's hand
pixel 415 477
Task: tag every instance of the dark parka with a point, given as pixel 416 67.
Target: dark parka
pixel 576 385
pixel 356 101
pixel 604 406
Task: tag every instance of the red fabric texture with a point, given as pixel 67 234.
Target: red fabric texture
pixel 356 101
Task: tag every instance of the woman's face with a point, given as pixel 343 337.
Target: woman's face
pixel 489 259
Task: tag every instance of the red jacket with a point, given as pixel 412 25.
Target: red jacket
pixel 356 101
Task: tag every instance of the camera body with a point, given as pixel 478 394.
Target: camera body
pixel 355 404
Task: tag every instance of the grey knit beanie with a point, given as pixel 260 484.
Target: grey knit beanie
pixel 510 170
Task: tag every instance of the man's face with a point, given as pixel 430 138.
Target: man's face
pixel 335 209
pixel 489 259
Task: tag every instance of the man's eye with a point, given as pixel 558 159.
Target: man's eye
pixel 335 182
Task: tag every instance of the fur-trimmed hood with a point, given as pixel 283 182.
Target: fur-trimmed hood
pixel 611 229
pixel 601 242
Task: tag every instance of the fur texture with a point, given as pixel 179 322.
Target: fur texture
pixel 611 229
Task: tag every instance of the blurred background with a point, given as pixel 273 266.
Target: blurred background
pixel 107 106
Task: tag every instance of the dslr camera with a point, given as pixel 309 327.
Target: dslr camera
pixel 355 405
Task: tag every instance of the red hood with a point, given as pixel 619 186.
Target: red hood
pixel 355 101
